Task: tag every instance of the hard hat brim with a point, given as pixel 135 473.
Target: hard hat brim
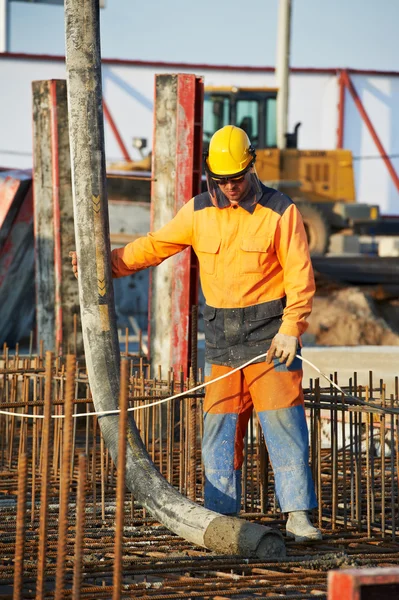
pixel 225 174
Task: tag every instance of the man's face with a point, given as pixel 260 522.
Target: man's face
pixel 234 189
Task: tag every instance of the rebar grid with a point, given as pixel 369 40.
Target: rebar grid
pixel 354 473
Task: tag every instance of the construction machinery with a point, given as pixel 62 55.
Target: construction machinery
pixel 321 182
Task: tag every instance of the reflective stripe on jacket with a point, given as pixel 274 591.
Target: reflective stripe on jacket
pixel 248 255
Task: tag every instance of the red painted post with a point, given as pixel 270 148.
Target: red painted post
pixel 364 584
pixel 373 133
pixel 187 185
pixel 177 163
pixel 55 181
pixel 196 183
pixel 57 298
pixel 341 110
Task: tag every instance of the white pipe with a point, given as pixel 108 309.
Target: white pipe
pixel 3 26
pixel 282 69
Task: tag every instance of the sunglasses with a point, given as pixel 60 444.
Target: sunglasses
pixel 226 180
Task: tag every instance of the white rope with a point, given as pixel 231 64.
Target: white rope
pixel 132 408
pixel 198 387
pixel 13 414
pixel 384 409
pixel 185 393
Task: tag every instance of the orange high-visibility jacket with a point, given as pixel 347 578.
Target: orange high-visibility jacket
pixel 248 254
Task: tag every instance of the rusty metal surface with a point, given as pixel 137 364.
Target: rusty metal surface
pixel 56 289
pixel 355 474
pixel 121 482
pixel 176 164
pixel 187 185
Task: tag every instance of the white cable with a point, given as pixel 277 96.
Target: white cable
pixel 13 414
pixel 384 409
pixel 194 389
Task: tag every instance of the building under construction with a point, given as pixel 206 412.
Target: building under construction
pixel 100 448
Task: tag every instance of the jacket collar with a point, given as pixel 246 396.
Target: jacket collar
pixel 248 203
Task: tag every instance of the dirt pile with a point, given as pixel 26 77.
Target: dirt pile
pixel 350 317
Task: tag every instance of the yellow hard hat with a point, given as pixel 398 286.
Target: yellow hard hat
pixel 230 152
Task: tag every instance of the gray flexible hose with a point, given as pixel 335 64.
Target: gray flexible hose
pixel 198 525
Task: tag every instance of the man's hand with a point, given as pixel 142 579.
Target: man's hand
pixel 74 261
pixel 283 347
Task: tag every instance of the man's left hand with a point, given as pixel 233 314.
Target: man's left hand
pixel 283 347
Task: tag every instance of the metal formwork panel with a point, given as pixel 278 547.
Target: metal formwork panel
pixel 176 179
pixel 364 584
pixel 56 289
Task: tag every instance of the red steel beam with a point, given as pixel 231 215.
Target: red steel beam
pixel 348 83
pixel 115 131
pixel 197 66
pixel 341 111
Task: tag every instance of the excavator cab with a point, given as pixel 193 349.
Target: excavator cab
pixel 253 110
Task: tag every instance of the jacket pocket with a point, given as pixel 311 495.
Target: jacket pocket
pixel 262 321
pixel 211 332
pixel 254 254
pixel 207 249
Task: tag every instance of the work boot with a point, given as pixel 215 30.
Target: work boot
pixel 299 527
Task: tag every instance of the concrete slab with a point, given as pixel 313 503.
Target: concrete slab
pixel 382 360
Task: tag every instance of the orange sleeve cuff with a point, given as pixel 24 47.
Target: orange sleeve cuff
pixel 295 329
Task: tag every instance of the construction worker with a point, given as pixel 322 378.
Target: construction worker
pixel 258 284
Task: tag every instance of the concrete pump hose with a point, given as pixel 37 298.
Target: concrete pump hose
pixel 198 525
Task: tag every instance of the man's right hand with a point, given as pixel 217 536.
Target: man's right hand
pixel 74 261
pixel 284 348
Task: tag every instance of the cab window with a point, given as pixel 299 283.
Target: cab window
pixel 216 114
pixel 247 112
pixel 271 124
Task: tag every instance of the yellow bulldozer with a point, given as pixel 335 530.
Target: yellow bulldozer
pixel 321 182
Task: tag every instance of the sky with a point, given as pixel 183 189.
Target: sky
pixel 325 33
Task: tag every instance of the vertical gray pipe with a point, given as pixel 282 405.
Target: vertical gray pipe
pixel 283 70
pixel 196 524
